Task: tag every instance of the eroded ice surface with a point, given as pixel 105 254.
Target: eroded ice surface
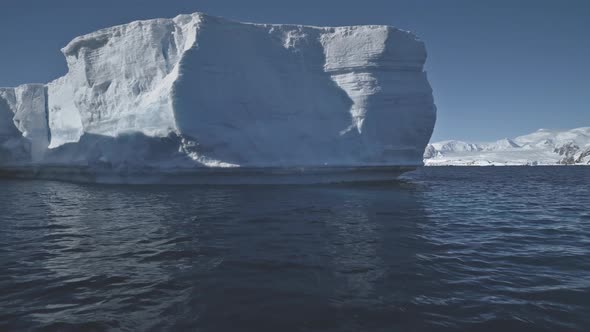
pixel 199 91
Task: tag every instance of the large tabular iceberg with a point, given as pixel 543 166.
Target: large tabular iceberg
pixel 200 92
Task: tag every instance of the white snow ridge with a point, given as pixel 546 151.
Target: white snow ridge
pixel 202 93
pixel 543 147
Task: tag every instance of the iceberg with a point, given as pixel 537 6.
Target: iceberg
pixel 201 93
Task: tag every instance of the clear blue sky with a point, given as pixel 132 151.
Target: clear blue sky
pixel 498 68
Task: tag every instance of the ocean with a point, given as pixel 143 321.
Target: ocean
pixel 440 249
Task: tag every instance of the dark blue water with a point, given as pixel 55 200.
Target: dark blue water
pixel 496 249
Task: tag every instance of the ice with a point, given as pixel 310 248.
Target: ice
pixel 23 122
pixel 202 91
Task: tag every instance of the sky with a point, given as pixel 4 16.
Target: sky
pixel 498 68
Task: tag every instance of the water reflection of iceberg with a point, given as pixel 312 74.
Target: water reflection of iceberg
pixel 254 257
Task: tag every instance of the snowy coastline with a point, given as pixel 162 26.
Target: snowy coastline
pixel 541 148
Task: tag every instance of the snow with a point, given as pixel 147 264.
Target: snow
pixel 503 144
pixel 543 147
pixel 455 146
pixel 202 91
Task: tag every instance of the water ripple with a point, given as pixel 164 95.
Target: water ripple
pixel 441 249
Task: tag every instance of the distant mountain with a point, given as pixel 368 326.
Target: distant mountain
pixel 543 147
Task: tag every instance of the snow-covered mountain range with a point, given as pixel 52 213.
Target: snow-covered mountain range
pixel 197 91
pixel 543 147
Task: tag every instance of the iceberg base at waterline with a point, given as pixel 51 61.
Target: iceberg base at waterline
pixel 207 176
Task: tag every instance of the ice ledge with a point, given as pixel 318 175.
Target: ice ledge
pixel 207 176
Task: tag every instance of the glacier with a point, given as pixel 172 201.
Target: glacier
pixel 543 147
pixel 198 92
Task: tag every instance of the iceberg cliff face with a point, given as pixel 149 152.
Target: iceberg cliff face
pixel 198 91
pixel 24 133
